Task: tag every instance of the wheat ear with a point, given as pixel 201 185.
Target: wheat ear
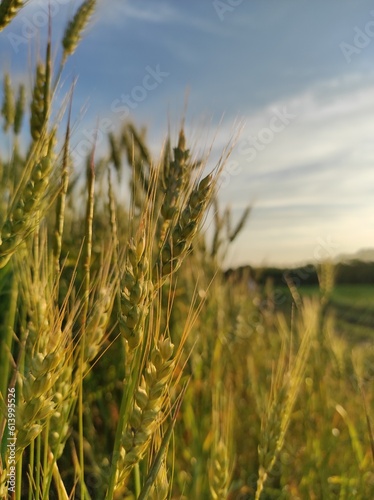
pixel 74 29
pixel 8 10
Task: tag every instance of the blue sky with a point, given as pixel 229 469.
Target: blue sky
pixel 298 75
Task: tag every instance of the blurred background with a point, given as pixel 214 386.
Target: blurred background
pixel 296 77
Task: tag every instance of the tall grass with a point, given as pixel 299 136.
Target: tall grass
pixel 138 369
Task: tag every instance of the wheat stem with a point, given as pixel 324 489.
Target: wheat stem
pixel 162 450
pixel 61 200
pixel 86 293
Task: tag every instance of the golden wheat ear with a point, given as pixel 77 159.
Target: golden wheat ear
pixel 74 29
pixel 8 10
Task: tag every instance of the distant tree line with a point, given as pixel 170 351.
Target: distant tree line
pixel 352 272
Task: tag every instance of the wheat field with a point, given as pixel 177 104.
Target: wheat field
pixel 131 366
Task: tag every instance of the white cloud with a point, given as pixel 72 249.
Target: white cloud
pixel 313 179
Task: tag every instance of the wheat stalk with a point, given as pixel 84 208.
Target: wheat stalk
pixel 145 414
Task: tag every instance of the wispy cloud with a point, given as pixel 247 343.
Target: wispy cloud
pixel 122 11
pixel 314 178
